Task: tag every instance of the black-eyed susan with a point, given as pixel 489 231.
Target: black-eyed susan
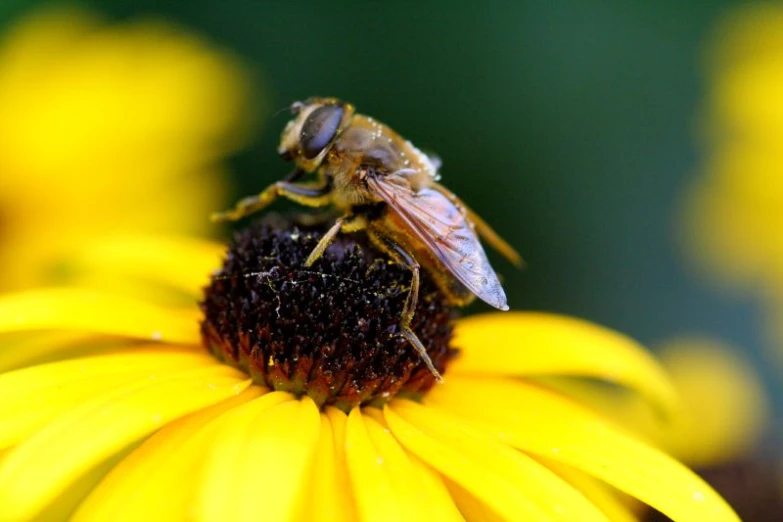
pixel 321 412
pixel 86 107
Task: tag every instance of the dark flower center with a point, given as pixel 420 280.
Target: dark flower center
pixel 329 331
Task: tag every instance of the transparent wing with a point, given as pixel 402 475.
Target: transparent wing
pixel 443 228
pixel 485 232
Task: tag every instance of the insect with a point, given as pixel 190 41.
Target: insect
pixel 382 184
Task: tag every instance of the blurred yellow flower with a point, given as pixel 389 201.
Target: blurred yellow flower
pixel 108 129
pixel 721 418
pixel 725 408
pixel 139 419
pixel 723 411
pixel 735 209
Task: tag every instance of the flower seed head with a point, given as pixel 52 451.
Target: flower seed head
pixel 329 331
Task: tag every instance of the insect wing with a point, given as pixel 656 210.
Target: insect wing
pixel 441 226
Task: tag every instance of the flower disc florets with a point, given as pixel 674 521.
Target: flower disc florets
pixel 329 331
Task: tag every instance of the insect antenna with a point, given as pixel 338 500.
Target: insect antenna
pixel 279 111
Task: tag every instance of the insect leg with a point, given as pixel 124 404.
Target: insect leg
pixel 294 175
pixel 309 195
pixel 486 232
pixel 345 223
pixel 403 257
pixel 325 241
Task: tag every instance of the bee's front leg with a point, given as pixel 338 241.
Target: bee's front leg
pixel 312 195
pixel 401 256
pixel 348 223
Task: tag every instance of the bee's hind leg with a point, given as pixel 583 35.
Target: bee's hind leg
pixel 312 195
pixel 486 232
pixel 403 257
pixel 347 223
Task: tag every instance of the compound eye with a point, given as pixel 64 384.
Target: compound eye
pixel 319 129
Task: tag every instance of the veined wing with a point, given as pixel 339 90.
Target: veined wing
pixel 485 232
pixel 442 227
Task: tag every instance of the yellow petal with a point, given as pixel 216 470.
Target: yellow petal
pixel 596 491
pixel 438 499
pixel 533 343
pixel 543 422
pixel 436 493
pixel 339 422
pixel 417 486
pixel 259 463
pixel 385 482
pixel 89 311
pixel 183 263
pixel 512 484
pixel 331 491
pixel 724 408
pixel 129 287
pixel 29 348
pixel 371 479
pixel 153 482
pixel 33 396
pixel 471 508
pixel 36 471
pixel 64 505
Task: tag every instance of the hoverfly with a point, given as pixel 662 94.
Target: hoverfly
pixel 385 186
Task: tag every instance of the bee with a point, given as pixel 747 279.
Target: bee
pixel 382 184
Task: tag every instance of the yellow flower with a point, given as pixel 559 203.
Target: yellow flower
pixel 734 211
pixel 125 122
pixel 724 410
pixel 132 419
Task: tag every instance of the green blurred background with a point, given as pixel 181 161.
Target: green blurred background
pixel 569 126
